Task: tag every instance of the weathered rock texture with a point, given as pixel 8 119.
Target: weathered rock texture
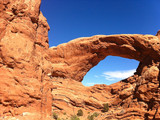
pixel 24 86
pixel 31 73
pixel 74 59
pixel 137 97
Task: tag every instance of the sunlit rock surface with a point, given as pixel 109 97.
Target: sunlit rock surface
pixel 36 80
pixel 25 91
pixel 137 97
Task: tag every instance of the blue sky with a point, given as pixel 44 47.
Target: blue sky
pixel 70 19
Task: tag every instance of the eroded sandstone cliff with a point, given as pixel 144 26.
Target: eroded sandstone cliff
pixel 35 79
pixel 24 86
pixel 137 97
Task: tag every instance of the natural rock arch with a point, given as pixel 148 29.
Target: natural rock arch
pixel 28 68
pixel 75 58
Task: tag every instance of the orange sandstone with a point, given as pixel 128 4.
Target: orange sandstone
pixel 35 79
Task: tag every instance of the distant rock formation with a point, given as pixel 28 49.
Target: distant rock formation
pixel 36 79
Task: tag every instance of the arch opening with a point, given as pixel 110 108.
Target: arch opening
pixel 110 70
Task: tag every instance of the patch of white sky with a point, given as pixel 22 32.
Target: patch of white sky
pixel 113 75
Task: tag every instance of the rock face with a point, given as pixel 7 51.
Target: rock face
pixel 24 85
pixel 36 79
pixel 137 97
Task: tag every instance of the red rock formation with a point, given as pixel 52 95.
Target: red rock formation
pixel 25 87
pixel 137 97
pixel 74 59
pixel 30 73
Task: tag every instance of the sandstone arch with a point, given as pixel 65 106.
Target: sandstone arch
pixel 75 58
pixel 28 69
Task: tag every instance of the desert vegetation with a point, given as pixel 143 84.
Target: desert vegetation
pixel 78 116
pixel 105 107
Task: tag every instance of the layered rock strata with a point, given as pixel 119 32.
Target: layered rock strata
pixel 24 85
pixel 36 79
pixel 137 97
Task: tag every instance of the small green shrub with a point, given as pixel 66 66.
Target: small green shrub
pixel 80 113
pixel 55 116
pixel 105 107
pixel 95 114
pixel 90 117
pixel 74 117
